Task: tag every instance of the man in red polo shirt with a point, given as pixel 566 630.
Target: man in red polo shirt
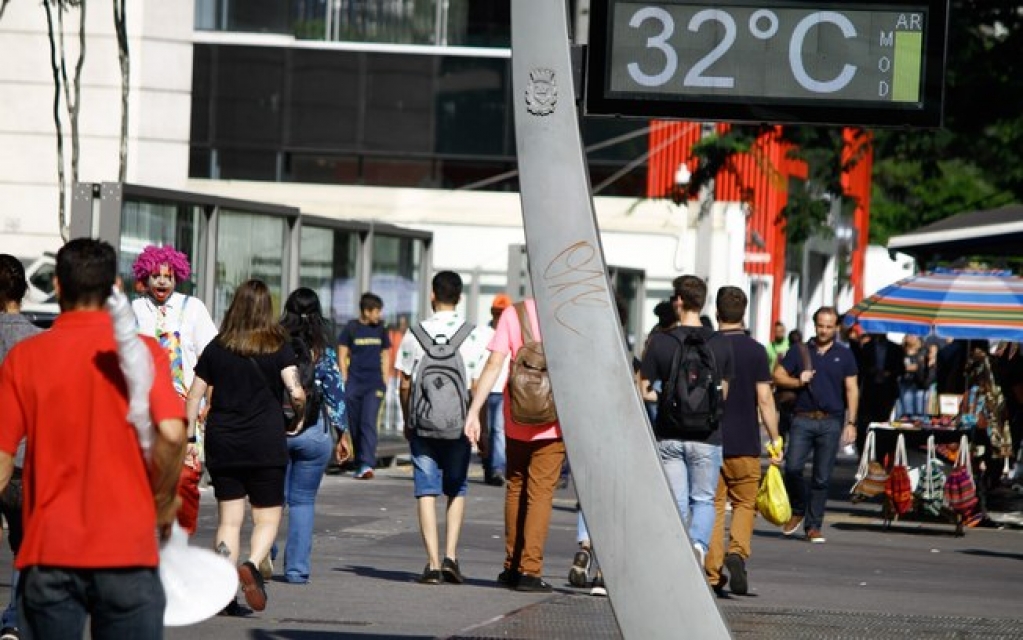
pixel 92 505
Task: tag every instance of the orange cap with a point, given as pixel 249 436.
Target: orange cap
pixel 501 301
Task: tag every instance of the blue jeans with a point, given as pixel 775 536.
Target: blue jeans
pixel 309 453
pixel 10 508
pixel 821 439
pixel 911 400
pixel 495 463
pixel 692 469
pixel 582 533
pixel 123 603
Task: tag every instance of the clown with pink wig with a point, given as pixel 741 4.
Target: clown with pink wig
pixel 181 323
pixel 182 326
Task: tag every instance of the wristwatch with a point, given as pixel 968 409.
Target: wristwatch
pixel 850 423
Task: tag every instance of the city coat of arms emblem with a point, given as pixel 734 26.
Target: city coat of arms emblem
pixel 541 92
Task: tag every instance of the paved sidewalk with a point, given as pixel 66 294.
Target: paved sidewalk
pixel 912 580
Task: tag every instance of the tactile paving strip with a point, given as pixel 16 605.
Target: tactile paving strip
pixel 570 617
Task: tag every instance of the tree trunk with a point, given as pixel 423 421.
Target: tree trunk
pixel 121 29
pixel 55 67
pixel 72 89
pixel 3 7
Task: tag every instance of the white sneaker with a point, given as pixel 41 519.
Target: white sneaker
pixel 701 553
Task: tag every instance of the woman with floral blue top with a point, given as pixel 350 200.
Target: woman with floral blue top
pixel 309 449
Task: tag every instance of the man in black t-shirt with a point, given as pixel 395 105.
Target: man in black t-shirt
pixel 364 355
pixel 692 466
pixel 749 391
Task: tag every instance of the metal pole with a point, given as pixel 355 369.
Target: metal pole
pixel 657 589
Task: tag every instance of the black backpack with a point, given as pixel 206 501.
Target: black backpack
pixel 312 388
pixel 690 405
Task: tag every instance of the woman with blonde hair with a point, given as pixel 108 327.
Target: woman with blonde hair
pixel 250 364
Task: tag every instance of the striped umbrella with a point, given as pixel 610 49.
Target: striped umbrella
pixel 972 305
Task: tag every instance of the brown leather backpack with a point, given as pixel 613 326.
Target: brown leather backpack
pixel 529 386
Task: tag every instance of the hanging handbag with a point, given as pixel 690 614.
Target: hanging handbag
pixel 960 489
pixel 898 488
pixel 931 491
pixel 871 477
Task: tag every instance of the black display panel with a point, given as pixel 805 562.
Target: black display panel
pixel 859 62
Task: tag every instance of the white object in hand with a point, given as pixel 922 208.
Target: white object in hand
pixel 198 583
pixel 136 365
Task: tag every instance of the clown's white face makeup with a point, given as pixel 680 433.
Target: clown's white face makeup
pixel 161 284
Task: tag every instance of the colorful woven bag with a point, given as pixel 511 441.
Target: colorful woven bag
pixel 960 489
pixel 930 493
pixel 898 488
pixel 871 477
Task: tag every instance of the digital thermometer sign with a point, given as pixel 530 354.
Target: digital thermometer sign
pixel 787 61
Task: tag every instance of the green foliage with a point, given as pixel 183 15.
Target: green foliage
pixel 714 153
pixel 974 162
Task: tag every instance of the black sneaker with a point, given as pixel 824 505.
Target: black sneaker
pixel 10 633
pixel 509 578
pixel 451 571
pixel 736 566
pixel 533 584
pixel 495 480
pixel 235 610
pixel 430 576
pixel 719 588
pixel 579 574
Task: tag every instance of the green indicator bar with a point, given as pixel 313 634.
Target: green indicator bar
pixel 906 72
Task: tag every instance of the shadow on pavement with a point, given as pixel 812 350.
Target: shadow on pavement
pixel 379 574
pixel 992 554
pixel 305 634
pixel 910 527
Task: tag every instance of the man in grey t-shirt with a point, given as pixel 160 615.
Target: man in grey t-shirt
pixel 14 327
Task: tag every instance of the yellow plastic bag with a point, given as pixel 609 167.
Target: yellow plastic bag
pixel 772 499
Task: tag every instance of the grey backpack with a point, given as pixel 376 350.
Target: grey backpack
pixel 440 392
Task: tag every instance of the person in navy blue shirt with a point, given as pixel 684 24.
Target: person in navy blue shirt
pixel 365 359
pixel 824 418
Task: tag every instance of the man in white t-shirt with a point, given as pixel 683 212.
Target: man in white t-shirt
pixel 440 466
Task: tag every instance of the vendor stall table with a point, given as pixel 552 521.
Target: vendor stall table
pixel 886 435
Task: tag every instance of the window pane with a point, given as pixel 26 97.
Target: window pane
pixel 323 168
pixel 146 223
pixel 248 246
pixel 246 164
pixel 248 88
pixel 473 107
pixel 324 100
pixel 252 16
pixel 472 23
pixel 327 266
pixel 395 276
pixel 395 21
pixel 397 172
pixel 400 102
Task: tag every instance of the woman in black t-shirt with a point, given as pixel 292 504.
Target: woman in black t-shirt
pixel 250 364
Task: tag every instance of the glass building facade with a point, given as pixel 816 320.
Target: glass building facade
pixel 468 23
pixel 377 118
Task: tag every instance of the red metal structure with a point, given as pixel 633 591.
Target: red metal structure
pixel 760 180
